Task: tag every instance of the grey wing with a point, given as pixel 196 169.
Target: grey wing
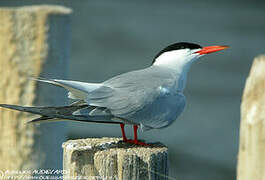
pixel 121 100
pixel 126 95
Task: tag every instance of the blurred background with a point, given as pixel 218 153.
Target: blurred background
pixel 113 37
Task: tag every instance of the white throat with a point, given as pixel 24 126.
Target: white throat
pixel 179 61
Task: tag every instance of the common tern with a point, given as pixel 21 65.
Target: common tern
pixel 151 98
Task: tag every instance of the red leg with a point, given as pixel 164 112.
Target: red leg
pixel 123 133
pixel 135 127
pixel 135 141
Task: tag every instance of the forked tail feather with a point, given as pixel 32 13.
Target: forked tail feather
pixel 62 113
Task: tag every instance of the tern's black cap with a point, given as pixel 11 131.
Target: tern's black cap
pixel 177 46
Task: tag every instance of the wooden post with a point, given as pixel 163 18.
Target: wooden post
pixel 34 41
pixel 251 158
pixel 110 159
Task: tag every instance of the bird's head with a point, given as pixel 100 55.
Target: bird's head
pixel 180 54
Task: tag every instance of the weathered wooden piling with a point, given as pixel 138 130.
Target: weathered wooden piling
pixel 34 41
pixel 251 158
pixel 110 158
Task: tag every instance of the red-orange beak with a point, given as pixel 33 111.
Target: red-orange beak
pixel 211 49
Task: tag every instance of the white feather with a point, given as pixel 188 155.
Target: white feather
pixel 77 90
pixel 179 61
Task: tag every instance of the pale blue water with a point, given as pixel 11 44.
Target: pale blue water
pixel 111 37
